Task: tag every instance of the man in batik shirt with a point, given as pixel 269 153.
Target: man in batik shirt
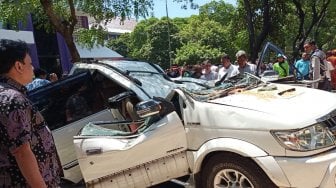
pixel 28 156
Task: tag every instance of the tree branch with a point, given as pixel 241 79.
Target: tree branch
pixel 249 20
pixel 73 19
pixel 54 19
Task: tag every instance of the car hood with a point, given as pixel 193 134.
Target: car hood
pixel 283 101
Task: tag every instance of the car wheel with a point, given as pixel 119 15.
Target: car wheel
pixel 230 170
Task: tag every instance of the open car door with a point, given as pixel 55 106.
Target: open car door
pixel 52 100
pixel 154 153
pixel 266 73
pixel 69 104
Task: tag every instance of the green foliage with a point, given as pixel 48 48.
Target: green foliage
pixel 121 44
pixel 218 11
pixel 194 53
pixel 215 27
pixel 158 43
pixel 220 27
pixel 206 32
pixel 105 10
pixel 60 16
pixel 327 37
pixel 139 36
pixel 91 37
pixel 14 12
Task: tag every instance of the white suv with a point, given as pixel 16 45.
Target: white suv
pixel 243 133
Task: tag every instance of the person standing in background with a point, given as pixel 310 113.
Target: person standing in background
pixel 243 65
pixel 28 156
pixel 41 79
pixel 281 66
pixel 196 71
pixel 332 60
pixel 302 67
pixel 208 74
pixel 228 69
pixel 316 61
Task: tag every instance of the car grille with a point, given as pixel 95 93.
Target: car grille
pixel 330 121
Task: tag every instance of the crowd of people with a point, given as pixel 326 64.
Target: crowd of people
pixel 210 71
pixel 314 65
pixel 318 66
pixel 28 154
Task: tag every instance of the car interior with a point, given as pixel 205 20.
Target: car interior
pixel 82 94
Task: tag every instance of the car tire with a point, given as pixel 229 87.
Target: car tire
pixel 230 170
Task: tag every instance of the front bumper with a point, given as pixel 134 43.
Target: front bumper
pixel 312 171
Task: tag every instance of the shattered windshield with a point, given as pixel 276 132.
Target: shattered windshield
pixel 152 79
pixel 157 85
pixel 236 84
pixel 130 66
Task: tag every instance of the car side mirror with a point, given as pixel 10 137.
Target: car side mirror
pixel 148 108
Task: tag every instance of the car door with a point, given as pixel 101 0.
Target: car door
pixel 153 155
pixel 53 101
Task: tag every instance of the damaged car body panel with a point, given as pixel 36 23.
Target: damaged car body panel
pixel 137 153
pixel 243 121
pixel 102 81
pixel 245 130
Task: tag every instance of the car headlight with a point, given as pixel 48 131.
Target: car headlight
pixel 313 137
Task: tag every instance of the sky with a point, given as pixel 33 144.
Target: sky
pixel 174 9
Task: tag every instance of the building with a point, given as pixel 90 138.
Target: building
pixel 117 27
pixel 49 50
pixel 25 33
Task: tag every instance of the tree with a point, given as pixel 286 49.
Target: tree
pixel 194 53
pixel 61 15
pixel 258 19
pixel 121 44
pixel 327 37
pixel 218 11
pixel 205 32
pixel 156 48
pixel 281 21
pixel 308 25
pixel 139 37
pixel 226 15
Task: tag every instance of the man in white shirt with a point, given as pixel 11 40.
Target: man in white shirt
pixel 207 73
pixel 228 68
pixel 243 65
pixel 317 59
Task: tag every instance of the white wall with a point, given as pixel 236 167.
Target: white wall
pixel 26 36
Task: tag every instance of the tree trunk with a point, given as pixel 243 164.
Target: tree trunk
pixel 264 32
pixel 303 33
pixel 256 42
pixel 249 21
pixel 64 27
pixel 75 57
pixel 299 39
